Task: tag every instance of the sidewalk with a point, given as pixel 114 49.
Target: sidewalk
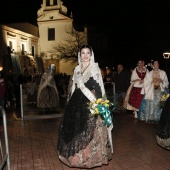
pixel 32 144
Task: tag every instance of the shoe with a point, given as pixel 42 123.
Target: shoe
pixel 135 114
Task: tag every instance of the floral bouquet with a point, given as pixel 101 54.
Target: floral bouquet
pixel 163 100
pixel 102 107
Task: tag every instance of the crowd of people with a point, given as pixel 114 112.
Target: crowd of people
pixel 140 89
pixel 84 140
pixel 141 92
pixel 39 88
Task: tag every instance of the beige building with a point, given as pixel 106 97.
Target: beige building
pixel 18 40
pixel 24 39
pixel 53 24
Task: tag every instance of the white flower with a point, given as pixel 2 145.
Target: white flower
pixel 92 111
pixel 94 105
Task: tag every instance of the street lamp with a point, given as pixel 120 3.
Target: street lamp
pixel 166 57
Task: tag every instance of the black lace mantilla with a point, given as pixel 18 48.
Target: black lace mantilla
pixel 163 130
pixel 77 127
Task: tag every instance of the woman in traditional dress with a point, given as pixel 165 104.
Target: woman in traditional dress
pixel 163 130
pixel 84 141
pixel 155 85
pixel 134 97
pixel 47 93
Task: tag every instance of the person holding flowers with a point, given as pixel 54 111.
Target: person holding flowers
pixel 155 85
pixel 85 139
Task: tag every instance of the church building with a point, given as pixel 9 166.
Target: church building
pixel 24 41
pixel 53 24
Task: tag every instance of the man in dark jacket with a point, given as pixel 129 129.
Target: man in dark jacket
pixel 121 83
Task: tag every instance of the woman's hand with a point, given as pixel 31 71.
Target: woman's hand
pixel 154 80
pixel 160 80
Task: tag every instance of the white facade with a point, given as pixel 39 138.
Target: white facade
pixel 53 16
pixel 14 40
pixel 19 41
pixel 59 27
pixel 29 38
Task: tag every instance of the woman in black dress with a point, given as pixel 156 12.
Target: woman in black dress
pixel 84 141
pixel 163 130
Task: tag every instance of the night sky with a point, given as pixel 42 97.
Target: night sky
pixel 134 30
pixel 19 11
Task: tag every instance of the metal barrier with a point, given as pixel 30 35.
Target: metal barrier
pixel 5 158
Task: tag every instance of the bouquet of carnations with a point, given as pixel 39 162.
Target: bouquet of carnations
pixel 103 108
pixel 163 100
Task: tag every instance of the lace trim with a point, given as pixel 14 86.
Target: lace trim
pixel 91 71
pixel 94 71
pixel 96 74
pixel 86 74
pixel 88 93
pixel 47 80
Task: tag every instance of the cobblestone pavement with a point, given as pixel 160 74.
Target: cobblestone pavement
pixel 32 143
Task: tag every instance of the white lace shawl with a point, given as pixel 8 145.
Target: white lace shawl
pixel 92 71
pixel 135 76
pixel 46 81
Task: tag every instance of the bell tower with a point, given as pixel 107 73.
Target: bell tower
pixel 48 3
pixel 52 22
pixel 49 6
pixel 56 29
